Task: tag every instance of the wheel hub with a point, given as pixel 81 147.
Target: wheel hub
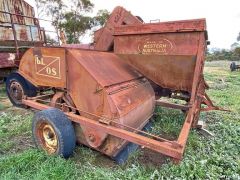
pixel 16 92
pixel 48 138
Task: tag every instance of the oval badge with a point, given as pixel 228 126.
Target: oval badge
pixel 160 46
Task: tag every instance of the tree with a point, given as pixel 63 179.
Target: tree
pixel 222 54
pixel 82 6
pixel 75 22
pixel 236 50
pixel 55 9
pixel 40 4
pixel 51 41
pixel 70 16
pixel 237 53
pixel 75 26
pixel 101 17
pixel 234 45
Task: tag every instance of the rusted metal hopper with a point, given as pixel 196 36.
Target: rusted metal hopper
pixel 171 55
pixel 166 53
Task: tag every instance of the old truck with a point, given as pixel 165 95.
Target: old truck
pixel 19 30
pixel 104 94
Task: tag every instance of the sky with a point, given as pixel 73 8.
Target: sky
pixel 223 16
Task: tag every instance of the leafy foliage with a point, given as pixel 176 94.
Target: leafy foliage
pixel 237 52
pixel 50 40
pixel 72 17
pixel 223 54
pixel 55 9
pixel 101 17
pixel 75 26
pixel 83 5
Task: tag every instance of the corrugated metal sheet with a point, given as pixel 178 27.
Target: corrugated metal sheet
pixel 17 7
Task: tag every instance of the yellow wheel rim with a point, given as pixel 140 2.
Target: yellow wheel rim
pixel 48 138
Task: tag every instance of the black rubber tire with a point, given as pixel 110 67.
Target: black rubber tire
pixel 28 89
pixel 233 66
pixel 63 128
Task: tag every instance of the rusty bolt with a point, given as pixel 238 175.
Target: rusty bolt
pixel 91 137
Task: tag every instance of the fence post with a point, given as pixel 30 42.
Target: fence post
pixel 15 36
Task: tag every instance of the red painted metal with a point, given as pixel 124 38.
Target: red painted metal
pixel 7 60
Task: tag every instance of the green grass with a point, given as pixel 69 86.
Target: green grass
pixel 215 157
pixel 2 91
pixel 2 95
pixel 15 127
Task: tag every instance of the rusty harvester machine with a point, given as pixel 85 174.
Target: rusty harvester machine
pixel 103 95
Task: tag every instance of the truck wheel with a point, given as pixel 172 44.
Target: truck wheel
pixel 17 86
pixel 53 132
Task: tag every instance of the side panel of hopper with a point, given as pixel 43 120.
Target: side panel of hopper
pixel 44 66
pixel 165 56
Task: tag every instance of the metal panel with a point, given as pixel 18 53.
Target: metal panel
pixel 103 38
pixel 106 68
pixel 6 34
pixel 16 7
pixel 160 52
pixel 7 60
pixel 44 66
pixel 4 7
pixel 23 33
pixel 163 27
